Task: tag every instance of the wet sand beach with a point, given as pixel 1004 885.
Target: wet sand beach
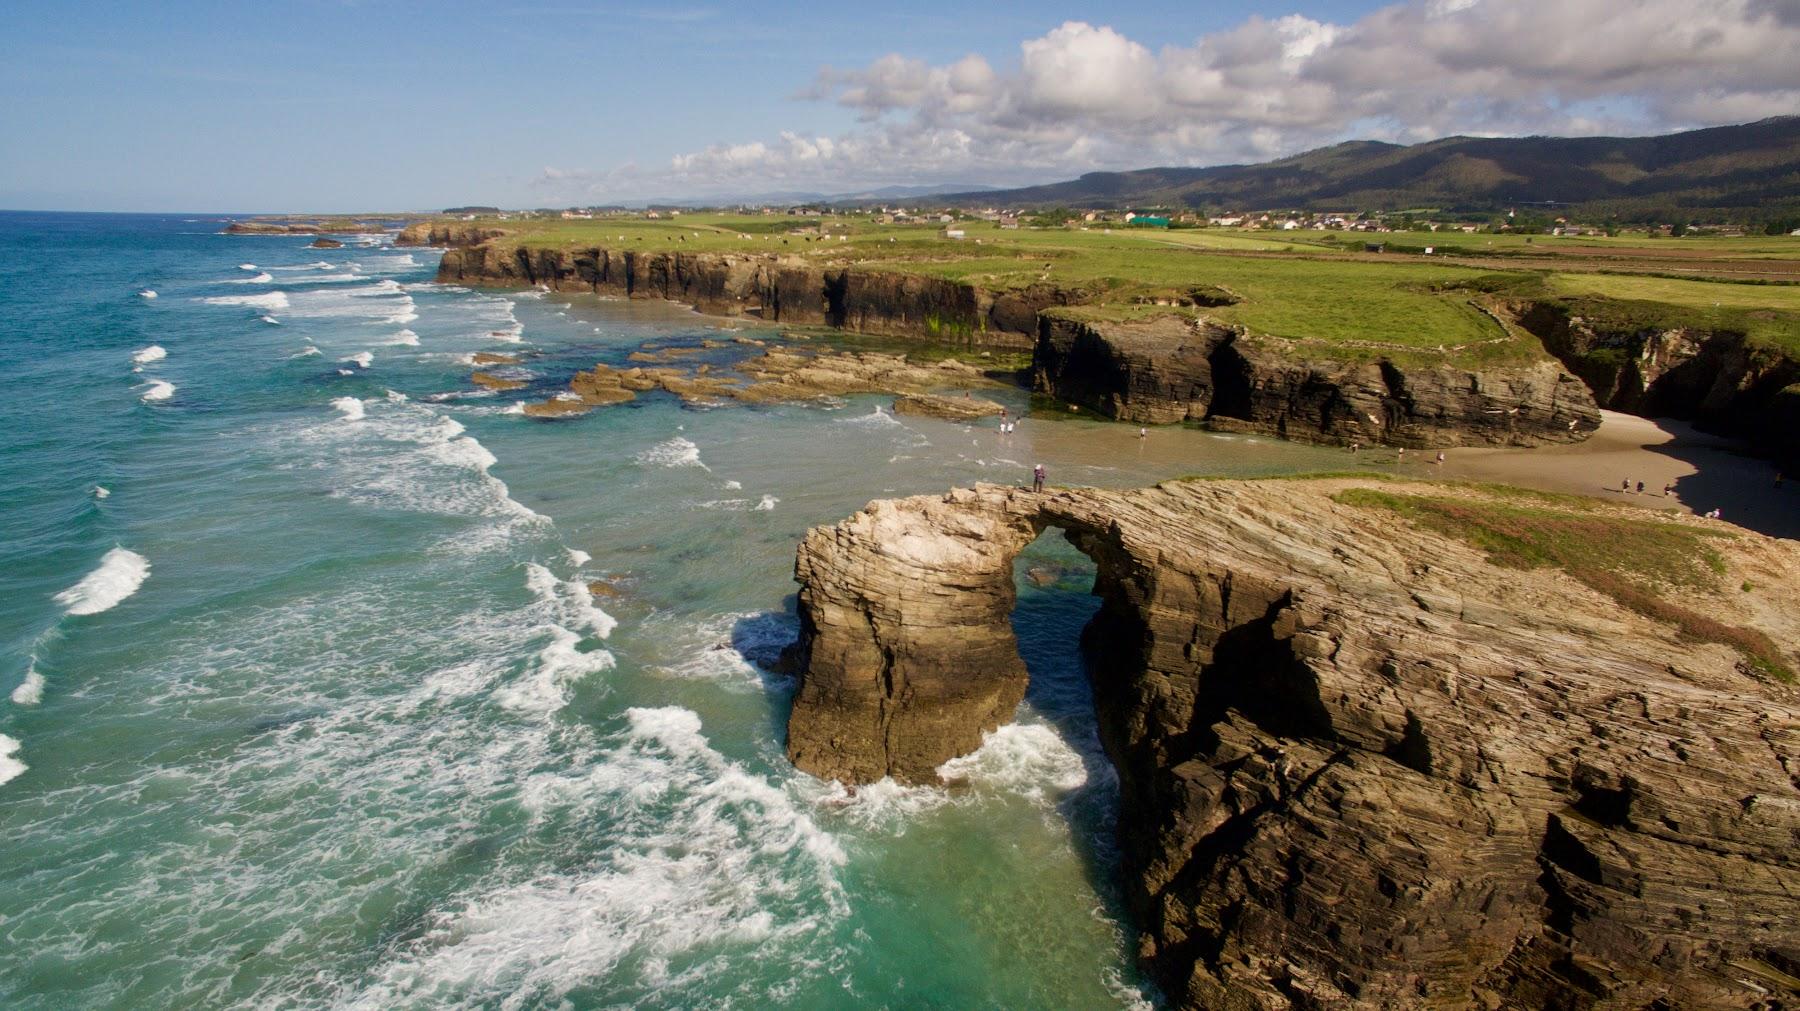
pixel 1707 472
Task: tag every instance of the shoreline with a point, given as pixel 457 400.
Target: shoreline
pixel 1708 471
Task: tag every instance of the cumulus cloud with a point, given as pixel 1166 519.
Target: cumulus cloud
pixel 1085 97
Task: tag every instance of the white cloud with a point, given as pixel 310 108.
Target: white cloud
pixel 1085 97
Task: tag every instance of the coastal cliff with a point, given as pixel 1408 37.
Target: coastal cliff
pixel 1362 763
pixel 1713 375
pixel 1171 369
pixel 787 289
pixel 1156 371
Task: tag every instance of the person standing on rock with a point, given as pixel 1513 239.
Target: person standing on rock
pixel 1037 478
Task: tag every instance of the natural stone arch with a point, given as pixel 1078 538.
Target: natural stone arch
pixel 1359 765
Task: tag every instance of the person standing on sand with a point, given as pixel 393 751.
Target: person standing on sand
pixel 1668 489
pixel 1143 433
pixel 1640 490
pixel 1037 478
pixel 1440 458
pixel 1624 486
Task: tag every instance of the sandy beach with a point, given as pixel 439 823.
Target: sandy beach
pixel 1707 472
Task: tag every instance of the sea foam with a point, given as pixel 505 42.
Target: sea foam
pixel 9 766
pixel 153 353
pixel 703 858
pixel 159 390
pixel 120 573
pixel 676 452
pixel 350 407
pixel 30 691
pixel 362 359
pixel 268 301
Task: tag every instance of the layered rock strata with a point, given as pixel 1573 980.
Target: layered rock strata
pixel 1360 765
pixel 964 408
pixel 1171 369
pixel 1716 378
pixel 778 375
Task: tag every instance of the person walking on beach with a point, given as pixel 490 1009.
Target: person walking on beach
pixel 1640 490
pixel 1440 458
pixel 1143 433
pixel 1624 486
pixel 1037 478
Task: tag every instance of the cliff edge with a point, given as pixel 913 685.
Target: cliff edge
pixel 1379 744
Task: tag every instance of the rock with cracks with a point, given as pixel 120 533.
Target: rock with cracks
pixel 1360 765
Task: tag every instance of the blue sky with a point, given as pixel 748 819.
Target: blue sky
pixel 403 105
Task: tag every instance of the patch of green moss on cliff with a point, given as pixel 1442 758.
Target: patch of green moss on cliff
pixel 1636 562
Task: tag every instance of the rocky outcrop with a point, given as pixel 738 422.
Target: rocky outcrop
pixel 1360 765
pixel 1170 369
pixel 324 243
pixel 270 228
pixel 328 226
pixel 964 408
pixel 1714 377
pixel 443 233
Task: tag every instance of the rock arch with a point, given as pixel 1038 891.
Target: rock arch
pixel 1360 766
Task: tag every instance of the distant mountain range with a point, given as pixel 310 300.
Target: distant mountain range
pixel 1749 171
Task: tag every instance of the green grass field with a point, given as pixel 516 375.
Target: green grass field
pixel 1310 287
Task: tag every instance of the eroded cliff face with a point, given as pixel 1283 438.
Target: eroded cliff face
pixel 443 233
pixel 1361 766
pixel 788 289
pixel 1171 369
pixel 1711 377
pixel 1155 371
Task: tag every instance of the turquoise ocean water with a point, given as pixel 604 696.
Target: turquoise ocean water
pixel 312 707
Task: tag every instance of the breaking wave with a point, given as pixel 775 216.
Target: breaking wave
pixel 120 572
pixel 676 452
pixel 268 301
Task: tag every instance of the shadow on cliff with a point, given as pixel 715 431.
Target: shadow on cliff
pixel 760 639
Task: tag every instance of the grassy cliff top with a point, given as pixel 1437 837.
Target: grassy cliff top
pixel 1319 288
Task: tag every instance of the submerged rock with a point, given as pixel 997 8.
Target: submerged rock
pixel 1360 764
pixel 324 243
pixel 496 382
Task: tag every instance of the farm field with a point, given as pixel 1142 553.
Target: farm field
pixel 1322 289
